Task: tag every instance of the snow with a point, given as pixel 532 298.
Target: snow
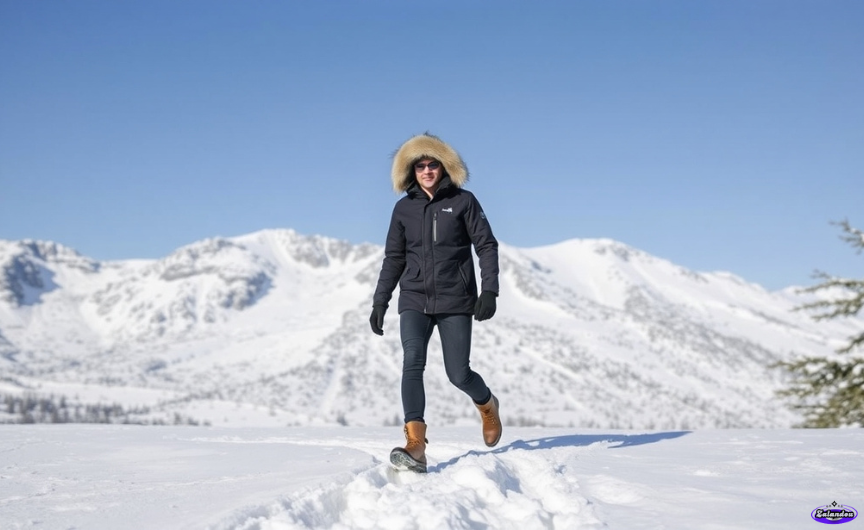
pixel 271 329
pixel 265 337
pixel 112 476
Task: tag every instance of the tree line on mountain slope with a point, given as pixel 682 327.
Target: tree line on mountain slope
pixel 28 408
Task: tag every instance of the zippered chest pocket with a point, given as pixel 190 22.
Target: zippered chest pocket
pixel 448 227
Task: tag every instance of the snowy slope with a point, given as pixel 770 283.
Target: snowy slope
pixel 271 328
pixel 166 478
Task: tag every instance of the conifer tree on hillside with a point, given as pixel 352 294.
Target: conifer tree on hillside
pixel 830 391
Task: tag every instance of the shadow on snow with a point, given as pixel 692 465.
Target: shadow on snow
pixel 569 440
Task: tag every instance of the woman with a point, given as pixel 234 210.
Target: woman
pixel 428 253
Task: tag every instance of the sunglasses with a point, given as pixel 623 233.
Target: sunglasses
pixel 420 166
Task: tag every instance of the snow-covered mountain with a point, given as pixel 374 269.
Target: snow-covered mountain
pixel 271 328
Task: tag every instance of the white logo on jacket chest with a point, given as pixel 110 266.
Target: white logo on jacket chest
pixel 448 210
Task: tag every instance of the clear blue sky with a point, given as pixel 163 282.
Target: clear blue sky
pixel 721 135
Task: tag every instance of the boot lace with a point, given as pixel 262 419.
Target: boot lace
pixel 488 415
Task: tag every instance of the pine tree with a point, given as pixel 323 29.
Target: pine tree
pixel 830 391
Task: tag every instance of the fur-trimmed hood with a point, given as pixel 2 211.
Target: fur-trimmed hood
pixel 426 146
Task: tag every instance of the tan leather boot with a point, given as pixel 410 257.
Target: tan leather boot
pixel 491 421
pixel 413 456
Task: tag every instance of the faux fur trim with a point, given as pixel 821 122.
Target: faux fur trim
pixel 426 146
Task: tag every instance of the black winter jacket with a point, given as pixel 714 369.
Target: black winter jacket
pixel 428 252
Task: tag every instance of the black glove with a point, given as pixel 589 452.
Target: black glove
pixel 377 319
pixel 484 309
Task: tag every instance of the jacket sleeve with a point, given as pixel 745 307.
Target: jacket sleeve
pixel 394 262
pixel 485 244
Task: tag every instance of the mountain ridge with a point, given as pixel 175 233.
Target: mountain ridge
pixel 271 328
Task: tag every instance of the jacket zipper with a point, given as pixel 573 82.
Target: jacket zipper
pixel 432 250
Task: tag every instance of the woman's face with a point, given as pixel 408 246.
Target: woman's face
pixel 428 172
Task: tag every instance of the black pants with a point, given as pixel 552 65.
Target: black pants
pixel 455 333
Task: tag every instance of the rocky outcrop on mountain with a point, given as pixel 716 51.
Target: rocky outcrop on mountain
pixel 26 269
